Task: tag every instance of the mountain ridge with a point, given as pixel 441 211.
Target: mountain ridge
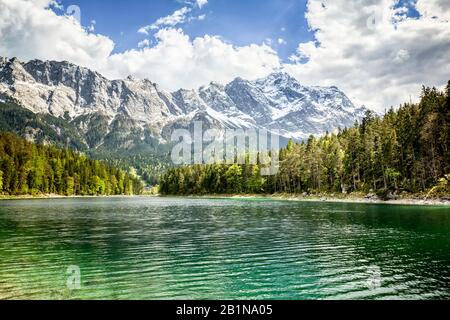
pixel 92 102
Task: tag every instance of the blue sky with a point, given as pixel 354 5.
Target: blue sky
pixel 237 22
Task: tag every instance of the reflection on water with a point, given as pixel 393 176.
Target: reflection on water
pixel 163 248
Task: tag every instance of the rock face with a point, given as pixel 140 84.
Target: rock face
pixel 104 110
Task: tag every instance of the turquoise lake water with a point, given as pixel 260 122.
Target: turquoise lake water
pixel 176 248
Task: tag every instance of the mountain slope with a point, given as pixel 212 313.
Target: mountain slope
pixel 104 110
pixel 28 168
pixel 148 157
pixel 130 122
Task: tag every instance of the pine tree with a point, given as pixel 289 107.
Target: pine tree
pixel 34 169
pixel 233 178
pixel 406 150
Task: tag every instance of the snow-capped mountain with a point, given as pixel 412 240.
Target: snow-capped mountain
pixel 129 108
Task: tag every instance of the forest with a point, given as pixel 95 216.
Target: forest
pixel 32 169
pixel 404 151
pixel 149 159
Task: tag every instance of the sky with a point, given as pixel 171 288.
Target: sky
pixel 379 52
pixel 238 22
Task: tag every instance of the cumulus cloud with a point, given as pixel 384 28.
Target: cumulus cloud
pixel 372 51
pixel 369 48
pixel 434 9
pixel 176 61
pixel 29 30
pixel 144 43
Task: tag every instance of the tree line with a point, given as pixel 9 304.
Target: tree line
pixel 406 150
pixel 149 157
pixel 28 168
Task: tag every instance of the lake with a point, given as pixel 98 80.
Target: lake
pixel 177 248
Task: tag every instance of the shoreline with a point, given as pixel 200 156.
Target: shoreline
pixel 362 199
pixel 326 199
pixel 56 196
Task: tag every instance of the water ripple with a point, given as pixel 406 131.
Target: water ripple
pixel 140 248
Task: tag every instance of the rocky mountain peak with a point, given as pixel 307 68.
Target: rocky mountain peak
pixel 276 102
pixel 12 70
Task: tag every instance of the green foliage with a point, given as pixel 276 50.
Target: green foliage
pixel 212 179
pixel 406 150
pixel 28 168
pixel 70 186
pixel 149 162
pixel 233 177
pixel 42 127
pixel 149 157
pixel 442 189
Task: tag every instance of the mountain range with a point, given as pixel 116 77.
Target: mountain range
pixel 122 107
pixel 66 104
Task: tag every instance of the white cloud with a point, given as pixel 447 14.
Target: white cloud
pixel 144 43
pixel 435 8
pixel 401 56
pixel 176 18
pixel 372 51
pixel 202 3
pixel 281 41
pixel 176 61
pixel 268 42
pixel 91 28
pixel 56 5
pixel 27 27
pixel 378 65
pixel 29 30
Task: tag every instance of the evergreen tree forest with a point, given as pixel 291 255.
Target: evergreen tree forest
pixel 405 151
pixel 149 158
pixel 31 169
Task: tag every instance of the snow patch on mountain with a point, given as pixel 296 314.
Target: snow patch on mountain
pixel 276 103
